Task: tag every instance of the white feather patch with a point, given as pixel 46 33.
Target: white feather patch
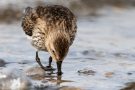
pixel 29 37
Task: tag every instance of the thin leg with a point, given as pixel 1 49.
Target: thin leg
pixel 49 67
pixel 50 61
pixel 59 64
pixel 38 61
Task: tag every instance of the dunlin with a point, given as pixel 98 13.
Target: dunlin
pixel 52 29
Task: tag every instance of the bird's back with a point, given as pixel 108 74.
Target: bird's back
pixel 58 17
pixel 44 20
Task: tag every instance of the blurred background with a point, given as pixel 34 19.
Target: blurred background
pixel 101 58
pixel 11 10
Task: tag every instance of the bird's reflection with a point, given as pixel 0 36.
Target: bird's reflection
pixel 56 79
pixel 50 77
pixel 59 80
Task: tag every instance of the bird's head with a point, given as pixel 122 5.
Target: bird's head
pixel 58 45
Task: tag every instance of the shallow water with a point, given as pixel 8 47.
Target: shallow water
pixel 101 58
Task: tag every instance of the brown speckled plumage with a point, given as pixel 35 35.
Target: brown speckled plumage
pixel 52 28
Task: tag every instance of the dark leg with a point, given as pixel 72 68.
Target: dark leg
pixel 59 64
pixel 49 67
pixel 50 61
pixel 38 61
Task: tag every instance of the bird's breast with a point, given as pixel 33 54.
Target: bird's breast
pixel 38 41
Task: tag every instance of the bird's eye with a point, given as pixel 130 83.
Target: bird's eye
pixel 53 51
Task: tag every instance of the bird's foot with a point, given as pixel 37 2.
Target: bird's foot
pixel 38 61
pixel 50 68
pixel 59 73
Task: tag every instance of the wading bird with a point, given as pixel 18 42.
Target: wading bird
pixel 52 28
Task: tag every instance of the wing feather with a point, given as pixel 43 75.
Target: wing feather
pixel 58 17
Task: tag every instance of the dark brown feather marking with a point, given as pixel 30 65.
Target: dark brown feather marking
pixel 59 18
pixel 29 20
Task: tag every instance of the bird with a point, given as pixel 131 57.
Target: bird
pixel 51 28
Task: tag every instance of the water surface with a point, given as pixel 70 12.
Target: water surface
pixel 101 58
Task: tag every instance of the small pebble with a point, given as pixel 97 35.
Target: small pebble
pixel 34 71
pixel 129 73
pixel 85 52
pixel 86 72
pixel 2 63
pixel 109 74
